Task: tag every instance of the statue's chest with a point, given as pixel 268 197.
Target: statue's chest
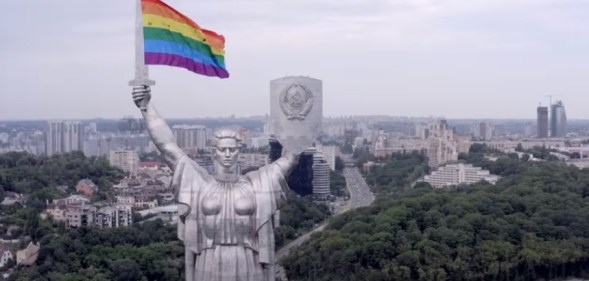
pixel 228 200
pixel 228 213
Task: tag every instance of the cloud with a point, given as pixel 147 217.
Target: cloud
pixel 375 56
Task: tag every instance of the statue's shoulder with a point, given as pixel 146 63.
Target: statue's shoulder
pixel 187 167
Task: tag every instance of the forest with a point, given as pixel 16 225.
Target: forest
pixel 148 250
pixel 532 225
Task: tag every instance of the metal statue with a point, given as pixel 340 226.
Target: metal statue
pixel 226 220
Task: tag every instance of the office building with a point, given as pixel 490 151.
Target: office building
pixel 459 174
pixel 542 122
pixel 558 120
pixel 321 177
pixel 483 131
pixel 190 136
pixel 63 137
pixel 114 216
pixel 126 160
pixel 441 148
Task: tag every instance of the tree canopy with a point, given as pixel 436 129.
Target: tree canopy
pixel 533 224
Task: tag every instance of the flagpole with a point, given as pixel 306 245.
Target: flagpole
pixel 141 70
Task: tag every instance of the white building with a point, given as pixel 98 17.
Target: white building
pixel 483 131
pixel 442 146
pixel 258 142
pixel 63 137
pixel 6 254
pixel 252 160
pixel 329 153
pixel 126 160
pixel 190 137
pixel 114 216
pixel 321 177
pixel 459 174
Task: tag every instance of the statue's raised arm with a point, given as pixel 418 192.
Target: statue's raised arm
pixel 158 129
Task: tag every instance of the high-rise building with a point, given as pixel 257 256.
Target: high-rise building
pixel 126 160
pixel 63 137
pixel 542 122
pixel 329 153
pixel 320 177
pixel 483 131
pixel 190 137
pixel 558 120
pixel 442 148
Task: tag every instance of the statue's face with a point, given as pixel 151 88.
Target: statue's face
pixel 226 152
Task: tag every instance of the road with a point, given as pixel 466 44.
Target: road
pixel 360 196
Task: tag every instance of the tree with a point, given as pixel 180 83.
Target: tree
pixel 339 164
pixel 125 270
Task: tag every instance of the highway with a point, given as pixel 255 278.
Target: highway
pixel 360 196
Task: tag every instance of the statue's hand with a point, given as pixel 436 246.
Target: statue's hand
pixel 141 96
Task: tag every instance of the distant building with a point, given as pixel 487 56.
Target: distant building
pixel 63 137
pixel 190 137
pixel 57 211
pixel 6 254
pixel 558 120
pixel 542 122
pixel 130 124
pixel 321 177
pixel 114 216
pixel 258 142
pixel 87 187
pixel 252 160
pixel 126 160
pixel 28 256
pixel 80 215
pixel 329 153
pixel 455 174
pixel 442 146
pixel 483 131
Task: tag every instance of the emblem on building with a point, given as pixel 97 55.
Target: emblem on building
pixel 296 101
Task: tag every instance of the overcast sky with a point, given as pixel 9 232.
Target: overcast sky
pixel 452 58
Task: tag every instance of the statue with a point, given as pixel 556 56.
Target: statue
pixel 226 220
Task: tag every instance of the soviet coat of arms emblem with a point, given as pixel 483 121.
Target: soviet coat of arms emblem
pixel 296 101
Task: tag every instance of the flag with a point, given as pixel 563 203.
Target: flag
pixel 171 38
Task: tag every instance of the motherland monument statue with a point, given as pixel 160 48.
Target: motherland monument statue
pixel 226 220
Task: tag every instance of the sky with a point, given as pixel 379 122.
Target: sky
pixel 73 59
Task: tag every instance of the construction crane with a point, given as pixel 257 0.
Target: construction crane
pixel 550 104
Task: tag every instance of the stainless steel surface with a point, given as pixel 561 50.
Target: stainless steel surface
pixel 226 220
pixel 296 111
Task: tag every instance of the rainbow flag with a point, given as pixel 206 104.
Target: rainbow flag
pixel 173 39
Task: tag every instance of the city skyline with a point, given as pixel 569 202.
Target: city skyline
pixel 475 60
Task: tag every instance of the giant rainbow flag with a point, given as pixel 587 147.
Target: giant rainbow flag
pixel 173 39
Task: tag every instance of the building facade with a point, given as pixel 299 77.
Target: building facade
pixel 126 160
pixel 114 216
pixel 190 136
pixel 63 137
pixel 321 177
pixel 542 122
pixel 558 120
pixel 455 174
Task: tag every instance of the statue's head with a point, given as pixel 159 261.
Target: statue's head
pixel 226 148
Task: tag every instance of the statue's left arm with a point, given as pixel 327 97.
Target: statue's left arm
pixel 287 162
